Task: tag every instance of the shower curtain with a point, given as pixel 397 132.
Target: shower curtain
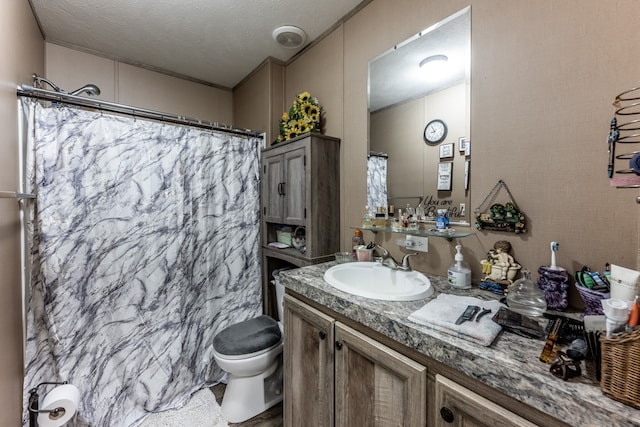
pixel 145 243
pixel 376 183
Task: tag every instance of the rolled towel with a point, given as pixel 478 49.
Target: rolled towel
pixel 634 163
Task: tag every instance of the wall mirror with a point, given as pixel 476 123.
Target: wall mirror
pixel 419 159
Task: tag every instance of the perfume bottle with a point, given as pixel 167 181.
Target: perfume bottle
pixel 367 218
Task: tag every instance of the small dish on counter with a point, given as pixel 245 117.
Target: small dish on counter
pixel 342 257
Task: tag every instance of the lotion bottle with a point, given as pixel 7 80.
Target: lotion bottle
pixel 459 273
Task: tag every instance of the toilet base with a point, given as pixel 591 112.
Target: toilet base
pixel 246 397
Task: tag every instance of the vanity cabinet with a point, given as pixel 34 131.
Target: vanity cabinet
pixel 338 374
pixel 308 366
pixel 457 406
pixel 335 375
pixel 300 188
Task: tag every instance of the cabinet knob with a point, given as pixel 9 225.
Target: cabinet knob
pixel 322 335
pixel 338 345
pixel 446 414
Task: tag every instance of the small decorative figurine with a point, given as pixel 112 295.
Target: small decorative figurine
pixel 500 267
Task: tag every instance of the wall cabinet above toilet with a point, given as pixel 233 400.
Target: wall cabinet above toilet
pixel 284 188
pixel 301 188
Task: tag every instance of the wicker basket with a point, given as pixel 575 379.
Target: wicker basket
pixel 620 377
pixel 591 300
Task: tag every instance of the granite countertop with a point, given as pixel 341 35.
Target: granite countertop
pixel 509 365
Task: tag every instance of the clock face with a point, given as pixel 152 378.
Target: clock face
pixel 435 132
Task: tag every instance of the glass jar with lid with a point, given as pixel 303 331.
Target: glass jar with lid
pixel 525 297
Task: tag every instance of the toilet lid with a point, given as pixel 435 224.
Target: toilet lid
pixel 247 337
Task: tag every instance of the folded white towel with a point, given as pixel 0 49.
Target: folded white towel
pixel 441 314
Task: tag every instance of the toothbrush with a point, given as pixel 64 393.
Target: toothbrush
pixel 554 249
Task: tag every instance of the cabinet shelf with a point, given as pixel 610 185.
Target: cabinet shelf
pixel 456 234
pixel 294 256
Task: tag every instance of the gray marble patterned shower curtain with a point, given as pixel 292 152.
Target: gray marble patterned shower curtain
pixel 145 243
pixel 377 183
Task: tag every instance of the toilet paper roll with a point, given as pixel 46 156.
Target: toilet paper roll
pixel 66 397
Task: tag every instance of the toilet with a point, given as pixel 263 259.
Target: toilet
pixel 251 352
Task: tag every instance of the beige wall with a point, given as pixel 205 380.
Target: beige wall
pixel 129 85
pixel 543 76
pixel 22 54
pixel 258 100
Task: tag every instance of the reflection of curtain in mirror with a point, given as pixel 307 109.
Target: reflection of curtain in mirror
pixel 377 182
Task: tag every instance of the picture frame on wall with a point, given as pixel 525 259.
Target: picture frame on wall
pixel 444 176
pixel 467 166
pixel 462 143
pixel 467 148
pixel 446 151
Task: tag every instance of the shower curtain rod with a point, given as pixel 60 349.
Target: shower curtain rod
pixel 48 95
pixel 377 154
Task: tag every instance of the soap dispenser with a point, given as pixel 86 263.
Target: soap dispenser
pixel 459 273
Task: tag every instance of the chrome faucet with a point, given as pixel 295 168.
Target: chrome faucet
pixel 386 259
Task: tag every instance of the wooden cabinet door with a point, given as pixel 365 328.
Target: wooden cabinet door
pixel 272 184
pixel 375 385
pixel 308 366
pixel 457 406
pixel 295 184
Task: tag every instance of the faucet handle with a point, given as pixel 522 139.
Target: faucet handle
pixel 405 260
pixel 382 251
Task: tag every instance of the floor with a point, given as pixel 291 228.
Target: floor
pixel 270 418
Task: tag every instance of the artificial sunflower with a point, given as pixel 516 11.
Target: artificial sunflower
pixel 304 116
pixel 304 97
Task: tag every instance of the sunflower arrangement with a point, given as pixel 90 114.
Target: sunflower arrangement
pixel 303 117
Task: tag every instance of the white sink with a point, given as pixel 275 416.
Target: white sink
pixel 375 281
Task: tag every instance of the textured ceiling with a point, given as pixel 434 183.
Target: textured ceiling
pixel 214 41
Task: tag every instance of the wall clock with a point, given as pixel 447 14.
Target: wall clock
pixel 435 132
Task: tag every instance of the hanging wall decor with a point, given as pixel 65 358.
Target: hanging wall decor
pixel 499 217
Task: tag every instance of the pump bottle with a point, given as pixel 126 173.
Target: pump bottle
pixel 459 273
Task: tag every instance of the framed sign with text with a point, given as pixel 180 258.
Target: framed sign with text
pixel 446 151
pixel 444 176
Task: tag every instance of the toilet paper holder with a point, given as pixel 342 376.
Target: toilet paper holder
pixel 34 405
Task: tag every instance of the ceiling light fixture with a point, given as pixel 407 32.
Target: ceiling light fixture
pixel 434 64
pixel 289 36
